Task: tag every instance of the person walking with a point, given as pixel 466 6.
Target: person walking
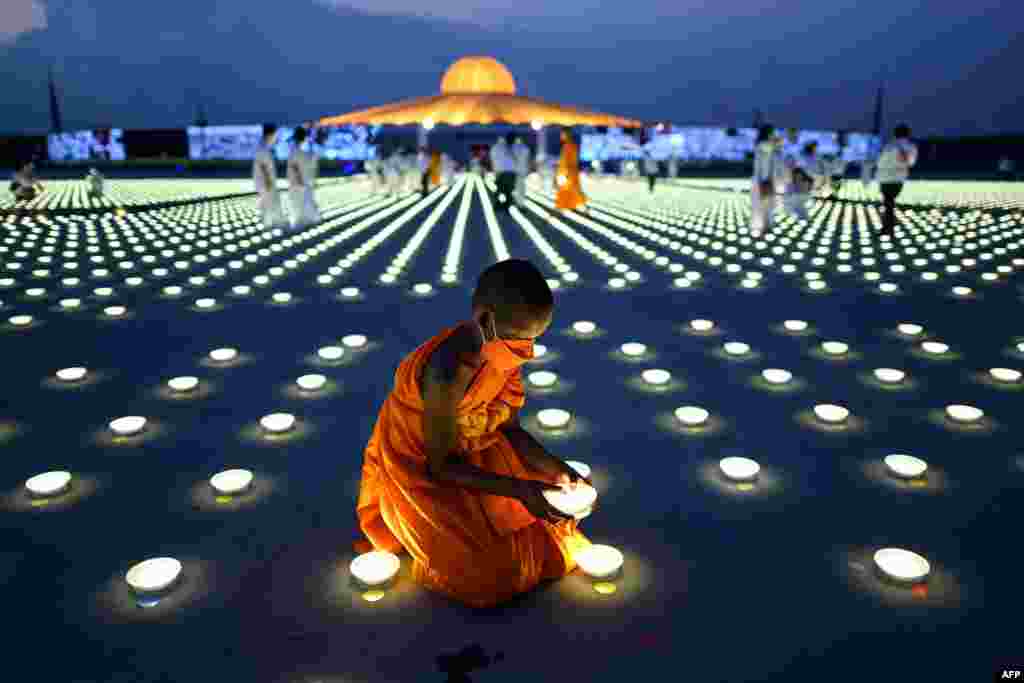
pixel 650 169
pixel 767 166
pixel 95 180
pixel 264 173
pixel 801 170
pixel 521 156
pixel 898 156
pixel 302 170
pixel 505 168
pixel 570 194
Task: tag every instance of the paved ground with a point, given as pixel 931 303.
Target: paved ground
pixel 719 584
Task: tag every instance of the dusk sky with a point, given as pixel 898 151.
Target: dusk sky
pixel 949 68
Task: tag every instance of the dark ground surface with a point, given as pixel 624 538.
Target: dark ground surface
pixel 717 585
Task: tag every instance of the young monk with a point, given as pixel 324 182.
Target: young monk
pixel 450 475
pixel 570 195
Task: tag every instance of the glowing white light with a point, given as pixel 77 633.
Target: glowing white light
pixel 154 575
pixel 423 288
pixel 231 482
pixel 554 418
pixel 35 291
pixel 962 291
pixel 599 561
pixel 902 565
pixel 331 352
pixel 905 466
pixel 795 325
pixel 828 412
pixel 963 413
pixel 350 292
pixel 701 325
pixel 375 568
pixel 572 501
pixel 1005 374
pixel 736 348
pixel 888 287
pixel 223 355
pixel 354 341
pixel 584 327
pixel 739 469
pixel 115 311
pixel 817 285
pixel 103 291
pixel 172 290
pixel 311 382
pixel 617 283
pixel 278 422
pixel 72 374
pixel 656 377
pixel 539 350
pixel 834 348
pixel 127 426
pixel 206 303
pixel 776 375
pixel 581 467
pixel 909 329
pixel 20 320
pixel 934 347
pixel 70 303
pixel 183 384
pixel 536 124
pixel 633 349
pixel 49 483
pixel 542 378
pixel 692 416
pixel 281 297
pixel 890 375
pixel 241 290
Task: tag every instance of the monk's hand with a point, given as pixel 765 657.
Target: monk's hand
pixel 531 495
pixel 567 477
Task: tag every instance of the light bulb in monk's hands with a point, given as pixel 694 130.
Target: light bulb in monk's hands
pixel 599 561
pixel 375 568
pixel 539 350
pixel 572 501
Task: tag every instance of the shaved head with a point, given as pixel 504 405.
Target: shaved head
pixel 517 294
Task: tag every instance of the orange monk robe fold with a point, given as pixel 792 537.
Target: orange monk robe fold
pixel 434 169
pixel 570 194
pixel 474 547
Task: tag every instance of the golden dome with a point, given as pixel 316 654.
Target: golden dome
pixel 478 75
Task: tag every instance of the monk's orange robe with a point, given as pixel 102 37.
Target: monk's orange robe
pixel 435 168
pixel 570 194
pixel 474 547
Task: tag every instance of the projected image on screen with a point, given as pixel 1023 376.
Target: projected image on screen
pixel 102 144
pixel 235 143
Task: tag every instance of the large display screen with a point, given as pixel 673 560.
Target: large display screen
pixel 692 143
pixel 235 143
pixel 241 142
pixel 103 144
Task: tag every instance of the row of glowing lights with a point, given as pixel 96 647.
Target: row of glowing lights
pixel 127 192
pixel 407 252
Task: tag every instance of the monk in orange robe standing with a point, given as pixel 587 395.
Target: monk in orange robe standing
pixel 450 475
pixel 435 168
pixel 570 195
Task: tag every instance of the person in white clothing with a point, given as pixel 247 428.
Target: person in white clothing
pixel 264 175
pixel 650 169
pixel 521 156
pixel 504 165
pixel 302 170
pixel 801 172
pixel 95 179
pixel 673 166
pixel 898 156
pixel 767 168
